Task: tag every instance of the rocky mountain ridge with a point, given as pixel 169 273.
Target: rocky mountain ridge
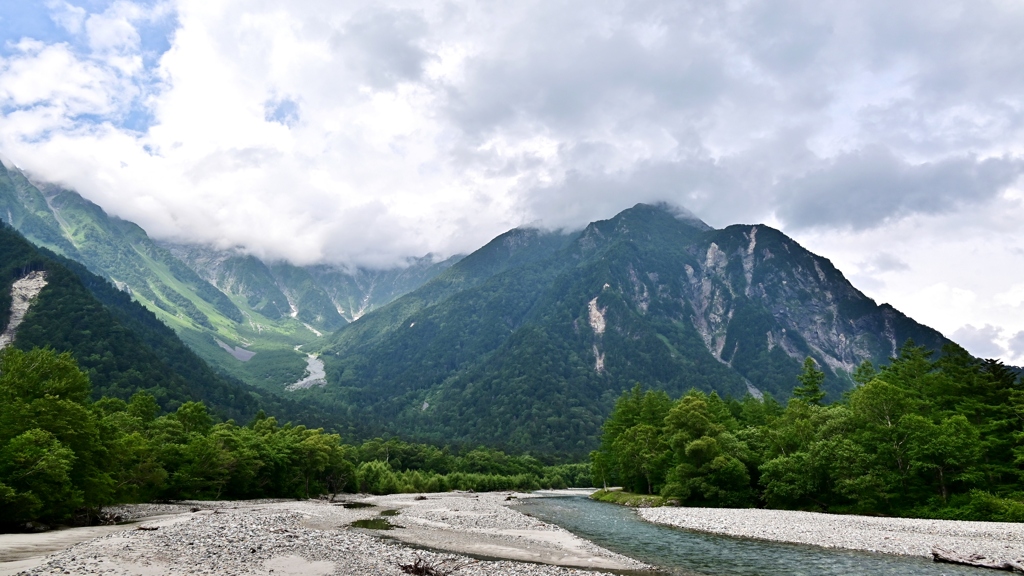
pixel 555 326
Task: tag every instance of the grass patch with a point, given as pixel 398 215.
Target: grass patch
pixel 628 499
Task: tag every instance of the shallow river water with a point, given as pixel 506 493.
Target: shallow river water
pixel 676 551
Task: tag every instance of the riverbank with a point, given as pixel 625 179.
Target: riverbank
pixel 904 536
pixel 315 538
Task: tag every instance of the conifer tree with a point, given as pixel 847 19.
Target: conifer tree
pixel 810 380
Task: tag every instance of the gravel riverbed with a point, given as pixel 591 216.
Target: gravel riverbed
pixel 314 538
pixel 906 536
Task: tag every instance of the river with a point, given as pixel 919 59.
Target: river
pixel 682 552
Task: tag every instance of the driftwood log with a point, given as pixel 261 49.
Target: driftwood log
pixel 977 560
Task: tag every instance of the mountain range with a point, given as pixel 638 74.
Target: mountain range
pixel 523 344
pixel 242 315
pixel 122 346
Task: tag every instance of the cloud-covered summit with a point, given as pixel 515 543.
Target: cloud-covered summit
pixel 366 132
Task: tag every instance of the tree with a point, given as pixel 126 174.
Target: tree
pixel 710 462
pixel 810 379
pixel 53 458
pixel 639 451
pixel 35 468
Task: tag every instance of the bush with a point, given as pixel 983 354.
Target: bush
pixel 376 477
pixel 628 499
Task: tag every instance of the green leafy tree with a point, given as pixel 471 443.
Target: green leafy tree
pixel 36 472
pixel 640 454
pixel 55 459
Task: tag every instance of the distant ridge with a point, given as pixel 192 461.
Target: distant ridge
pixel 207 295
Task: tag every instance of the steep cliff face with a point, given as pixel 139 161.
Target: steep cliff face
pixel 757 290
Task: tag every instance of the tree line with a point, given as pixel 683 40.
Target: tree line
pixel 921 437
pixel 63 456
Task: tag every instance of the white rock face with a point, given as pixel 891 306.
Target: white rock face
pixel 596 317
pixel 23 292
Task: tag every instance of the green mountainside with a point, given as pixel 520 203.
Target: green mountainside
pixel 120 345
pixel 245 318
pixel 527 342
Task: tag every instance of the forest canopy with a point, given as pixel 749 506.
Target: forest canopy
pixel 63 456
pixel 921 437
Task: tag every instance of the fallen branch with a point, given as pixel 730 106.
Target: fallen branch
pixel 424 567
pixel 975 560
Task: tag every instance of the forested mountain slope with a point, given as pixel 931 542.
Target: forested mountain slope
pixel 122 346
pixel 527 342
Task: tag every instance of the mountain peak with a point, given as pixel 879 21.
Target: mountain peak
pixel 662 208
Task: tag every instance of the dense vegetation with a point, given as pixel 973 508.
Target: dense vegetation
pixel 941 438
pixel 63 455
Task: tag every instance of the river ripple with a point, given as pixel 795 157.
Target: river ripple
pixel 682 552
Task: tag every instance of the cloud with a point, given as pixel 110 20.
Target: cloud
pixel 869 187
pixel 66 15
pixel 1014 296
pixel 882 262
pixel 981 342
pixel 1016 344
pixel 50 82
pixel 381 46
pixel 292 128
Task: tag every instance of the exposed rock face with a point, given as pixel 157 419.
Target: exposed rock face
pixel 596 317
pixel 23 292
pixel 813 309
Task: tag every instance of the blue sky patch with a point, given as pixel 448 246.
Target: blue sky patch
pixel 284 111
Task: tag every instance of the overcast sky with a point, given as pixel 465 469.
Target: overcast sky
pixel 886 136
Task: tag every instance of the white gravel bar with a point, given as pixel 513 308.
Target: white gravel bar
pixel 310 538
pixel 904 536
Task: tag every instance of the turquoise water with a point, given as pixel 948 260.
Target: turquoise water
pixel 675 551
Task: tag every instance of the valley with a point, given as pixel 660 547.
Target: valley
pixel 535 333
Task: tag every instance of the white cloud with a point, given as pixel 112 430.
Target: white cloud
pixel 885 136
pixel 983 342
pixel 1016 346
pixel 52 78
pixel 68 16
pixel 1012 297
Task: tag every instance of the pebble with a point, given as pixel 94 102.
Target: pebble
pixel 902 536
